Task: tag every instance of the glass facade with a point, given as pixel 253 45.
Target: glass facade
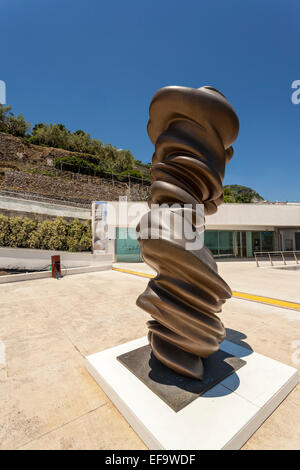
pixel 127 247
pixel 227 243
pixel 222 243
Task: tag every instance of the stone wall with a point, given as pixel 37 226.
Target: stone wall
pixel 73 189
pixel 14 150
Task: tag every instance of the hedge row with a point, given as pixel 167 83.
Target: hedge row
pixel 92 165
pixel 57 234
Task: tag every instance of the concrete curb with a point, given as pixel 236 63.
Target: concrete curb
pixel 45 274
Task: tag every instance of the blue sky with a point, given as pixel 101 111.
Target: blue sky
pixel 94 65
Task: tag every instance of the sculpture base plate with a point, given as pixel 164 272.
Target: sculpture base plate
pixel 223 417
pixel 174 389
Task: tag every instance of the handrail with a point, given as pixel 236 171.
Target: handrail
pixel 283 255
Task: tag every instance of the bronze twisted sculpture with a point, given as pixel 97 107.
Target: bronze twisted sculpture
pixel 193 131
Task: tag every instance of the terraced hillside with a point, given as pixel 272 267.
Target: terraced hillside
pixel 31 171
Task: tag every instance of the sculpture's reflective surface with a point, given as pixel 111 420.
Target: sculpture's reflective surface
pixel 192 131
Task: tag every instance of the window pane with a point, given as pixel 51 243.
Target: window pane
pixel 267 241
pixel 256 241
pixel 211 241
pixel 249 245
pixel 127 246
pixel 225 243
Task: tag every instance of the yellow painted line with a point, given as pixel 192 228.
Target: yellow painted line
pixel 136 273
pixel 267 300
pixel 239 295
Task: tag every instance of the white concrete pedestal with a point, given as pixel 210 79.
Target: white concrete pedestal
pixel 223 418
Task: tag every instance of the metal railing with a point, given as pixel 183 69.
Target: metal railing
pixel 69 168
pixel 133 187
pixel 274 256
pixel 87 177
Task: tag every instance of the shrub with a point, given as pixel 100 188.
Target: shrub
pixel 50 235
pixel 57 234
pixel 40 238
pixel 79 236
pixel 20 229
pixel 145 165
pixel 86 239
pixel 4 230
pixel 86 242
pixel 58 239
pixel 75 232
pixel 34 240
pixel 133 173
pixel 85 164
pixel 136 175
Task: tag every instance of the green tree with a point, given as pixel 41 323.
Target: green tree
pixel 228 195
pixel 79 142
pixel 125 160
pixel 110 158
pixel 53 135
pixel 79 132
pixel 4 117
pixel 96 148
pixel 17 125
pixel 40 125
pixel 245 197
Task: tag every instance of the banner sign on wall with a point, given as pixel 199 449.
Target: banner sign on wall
pixel 100 227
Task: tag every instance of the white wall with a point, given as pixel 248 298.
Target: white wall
pixel 24 205
pixel 256 216
pixel 31 260
pixel 228 216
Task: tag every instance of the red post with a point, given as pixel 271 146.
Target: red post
pixel 56 268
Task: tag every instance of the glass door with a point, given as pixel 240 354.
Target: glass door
pixel 240 244
pixel 243 244
pixel 256 241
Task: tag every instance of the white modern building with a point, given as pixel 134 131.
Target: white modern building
pixel 236 230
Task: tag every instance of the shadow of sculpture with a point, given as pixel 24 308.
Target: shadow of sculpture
pixel 178 391
pixel 218 367
pixel 238 338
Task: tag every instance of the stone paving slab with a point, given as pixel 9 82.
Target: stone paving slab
pixel 49 401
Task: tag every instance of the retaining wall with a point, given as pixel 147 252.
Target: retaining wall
pixel 36 260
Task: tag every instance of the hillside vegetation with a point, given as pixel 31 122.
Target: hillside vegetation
pixel 88 156
pixel 235 193
pixel 91 155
